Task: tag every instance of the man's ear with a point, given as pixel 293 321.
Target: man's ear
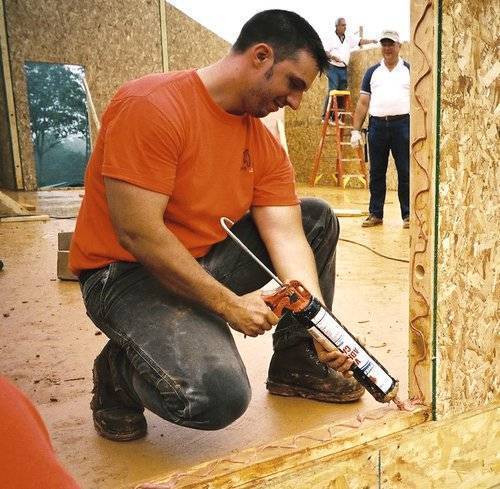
pixel 262 55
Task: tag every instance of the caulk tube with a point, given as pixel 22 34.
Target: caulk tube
pixel 327 330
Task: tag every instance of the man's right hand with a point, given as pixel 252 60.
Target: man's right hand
pixel 250 315
pixel 356 139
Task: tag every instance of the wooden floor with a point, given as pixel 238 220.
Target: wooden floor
pixel 47 345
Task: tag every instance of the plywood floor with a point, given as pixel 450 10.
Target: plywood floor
pixel 47 346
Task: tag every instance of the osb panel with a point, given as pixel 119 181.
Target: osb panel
pixel 461 454
pixel 115 41
pixel 468 292
pixel 340 455
pixel 421 197
pixel 303 127
pixel 190 45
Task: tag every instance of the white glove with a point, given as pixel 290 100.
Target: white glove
pixel 356 138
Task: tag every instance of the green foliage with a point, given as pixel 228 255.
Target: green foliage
pixel 57 104
pixel 58 107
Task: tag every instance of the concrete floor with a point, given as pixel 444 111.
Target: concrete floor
pixel 47 345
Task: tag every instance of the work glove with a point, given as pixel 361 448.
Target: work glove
pixel 356 138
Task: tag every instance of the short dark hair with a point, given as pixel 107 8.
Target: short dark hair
pixel 286 32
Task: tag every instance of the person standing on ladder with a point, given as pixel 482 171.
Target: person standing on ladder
pixel 339 48
pixel 385 94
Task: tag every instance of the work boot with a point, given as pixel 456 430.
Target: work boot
pixel 371 220
pixel 117 415
pixel 295 369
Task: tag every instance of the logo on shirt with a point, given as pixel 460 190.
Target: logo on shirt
pixel 247 162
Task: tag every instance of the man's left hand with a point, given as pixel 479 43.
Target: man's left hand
pixel 334 359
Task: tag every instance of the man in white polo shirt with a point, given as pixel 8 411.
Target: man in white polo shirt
pixel 339 47
pixel 385 94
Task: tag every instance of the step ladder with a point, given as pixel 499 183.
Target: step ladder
pixel 341 132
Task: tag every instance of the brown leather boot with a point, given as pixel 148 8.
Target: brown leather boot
pixel 372 220
pixel 117 416
pixel 295 369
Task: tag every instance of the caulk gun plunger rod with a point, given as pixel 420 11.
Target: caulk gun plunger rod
pixel 223 221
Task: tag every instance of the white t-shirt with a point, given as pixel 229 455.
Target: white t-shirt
pixel 341 50
pixel 389 90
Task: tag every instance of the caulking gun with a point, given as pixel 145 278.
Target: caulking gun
pixel 323 326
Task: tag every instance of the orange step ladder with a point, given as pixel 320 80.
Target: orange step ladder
pixel 343 147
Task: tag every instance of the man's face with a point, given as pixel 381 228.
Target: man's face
pixel 390 50
pixel 280 85
pixel 341 27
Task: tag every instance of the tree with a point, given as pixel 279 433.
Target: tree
pixel 57 105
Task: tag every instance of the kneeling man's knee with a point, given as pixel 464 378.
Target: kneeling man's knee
pixel 319 220
pixel 227 395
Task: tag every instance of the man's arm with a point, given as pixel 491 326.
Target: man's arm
pixel 361 111
pixel 137 216
pixel 362 42
pixel 280 227
pixel 332 57
pixel 358 119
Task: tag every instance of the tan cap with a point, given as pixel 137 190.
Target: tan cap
pixel 392 35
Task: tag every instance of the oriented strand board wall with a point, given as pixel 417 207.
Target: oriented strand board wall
pixel 303 126
pixel 303 131
pixel 468 292
pixel 190 45
pixel 115 40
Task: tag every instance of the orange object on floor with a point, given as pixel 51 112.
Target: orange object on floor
pixel 27 458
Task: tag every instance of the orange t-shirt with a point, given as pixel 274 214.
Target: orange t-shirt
pixel 27 459
pixel 166 134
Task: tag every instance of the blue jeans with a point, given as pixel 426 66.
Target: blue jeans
pixel 385 136
pixel 180 360
pixel 337 80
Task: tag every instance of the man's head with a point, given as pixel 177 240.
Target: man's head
pixel 340 26
pixel 390 43
pixel 283 54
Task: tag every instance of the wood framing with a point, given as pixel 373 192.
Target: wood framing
pixel 463 452
pixel 422 178
pixel 9 95
pixel 164 40
pixel 11 207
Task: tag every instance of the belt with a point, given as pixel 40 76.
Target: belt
pixel 390 117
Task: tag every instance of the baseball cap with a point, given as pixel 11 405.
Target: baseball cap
pixel 392 35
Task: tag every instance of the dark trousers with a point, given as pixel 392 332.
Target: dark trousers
pixel 337 80
pixel 179 360
pixel 385 136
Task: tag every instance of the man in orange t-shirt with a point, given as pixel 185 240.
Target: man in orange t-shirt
pixel 27 459
pixel 175 153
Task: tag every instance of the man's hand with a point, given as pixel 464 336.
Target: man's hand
pixel 356 139
pixel 334 359
pixel 334 58
pixel 250 315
